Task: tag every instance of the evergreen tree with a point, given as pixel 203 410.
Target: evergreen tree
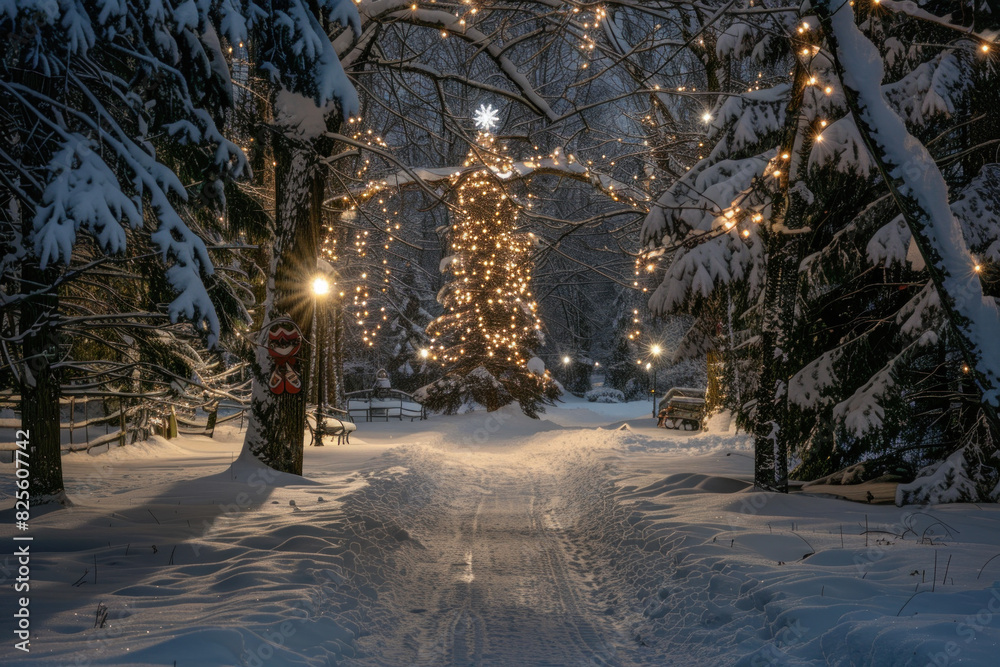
pixel 787 203
pixel 489 331
pixel 87 96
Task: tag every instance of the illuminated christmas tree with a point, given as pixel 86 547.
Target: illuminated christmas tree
pixel 489 331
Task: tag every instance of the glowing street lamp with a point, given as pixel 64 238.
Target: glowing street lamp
pixel 655 350
pixel 320 288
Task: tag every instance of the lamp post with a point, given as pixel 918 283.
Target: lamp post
pixel 655 351
pixel 320 288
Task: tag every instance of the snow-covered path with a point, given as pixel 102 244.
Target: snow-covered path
pixel 494 579
pixel 494 540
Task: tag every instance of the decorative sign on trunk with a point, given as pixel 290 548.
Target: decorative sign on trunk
pixel 284 340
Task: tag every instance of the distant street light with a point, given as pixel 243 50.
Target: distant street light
pixel 566 361
pixel 655 350
pixel 320 288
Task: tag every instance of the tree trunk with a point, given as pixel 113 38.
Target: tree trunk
pixel 772 436
pixel 277 421
pixel 40 384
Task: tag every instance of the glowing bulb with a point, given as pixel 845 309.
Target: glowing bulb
pixel 320 286
pixel 655 350
pixel 706 117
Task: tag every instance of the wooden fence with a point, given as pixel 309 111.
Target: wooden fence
pixel 112 419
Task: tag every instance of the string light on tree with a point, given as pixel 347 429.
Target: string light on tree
pixel 490 328
pixel 357 246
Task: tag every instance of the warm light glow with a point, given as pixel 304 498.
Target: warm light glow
pixel 985 48
pixel 490 313
pixel 706 117
pixel 566 360
pixel 977 268
pixel 320 286
pixel 655 350
pixel 424 354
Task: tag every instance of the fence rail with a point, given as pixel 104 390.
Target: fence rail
pixel 130 420
pixel 384 404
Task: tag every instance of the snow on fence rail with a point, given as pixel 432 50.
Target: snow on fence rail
pixel 129 421
pixel 375 404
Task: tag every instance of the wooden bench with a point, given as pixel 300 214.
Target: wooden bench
pixel 335 422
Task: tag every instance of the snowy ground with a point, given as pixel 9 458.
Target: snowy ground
pixel 493 540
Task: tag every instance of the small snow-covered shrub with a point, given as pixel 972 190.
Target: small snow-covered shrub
pixel 605 395
pixel 943 482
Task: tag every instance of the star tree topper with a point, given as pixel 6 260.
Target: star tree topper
pixel 486 117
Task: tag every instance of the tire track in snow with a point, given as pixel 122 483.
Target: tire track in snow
pixel 493 583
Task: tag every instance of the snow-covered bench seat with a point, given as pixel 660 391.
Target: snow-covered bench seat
pixel 335 422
